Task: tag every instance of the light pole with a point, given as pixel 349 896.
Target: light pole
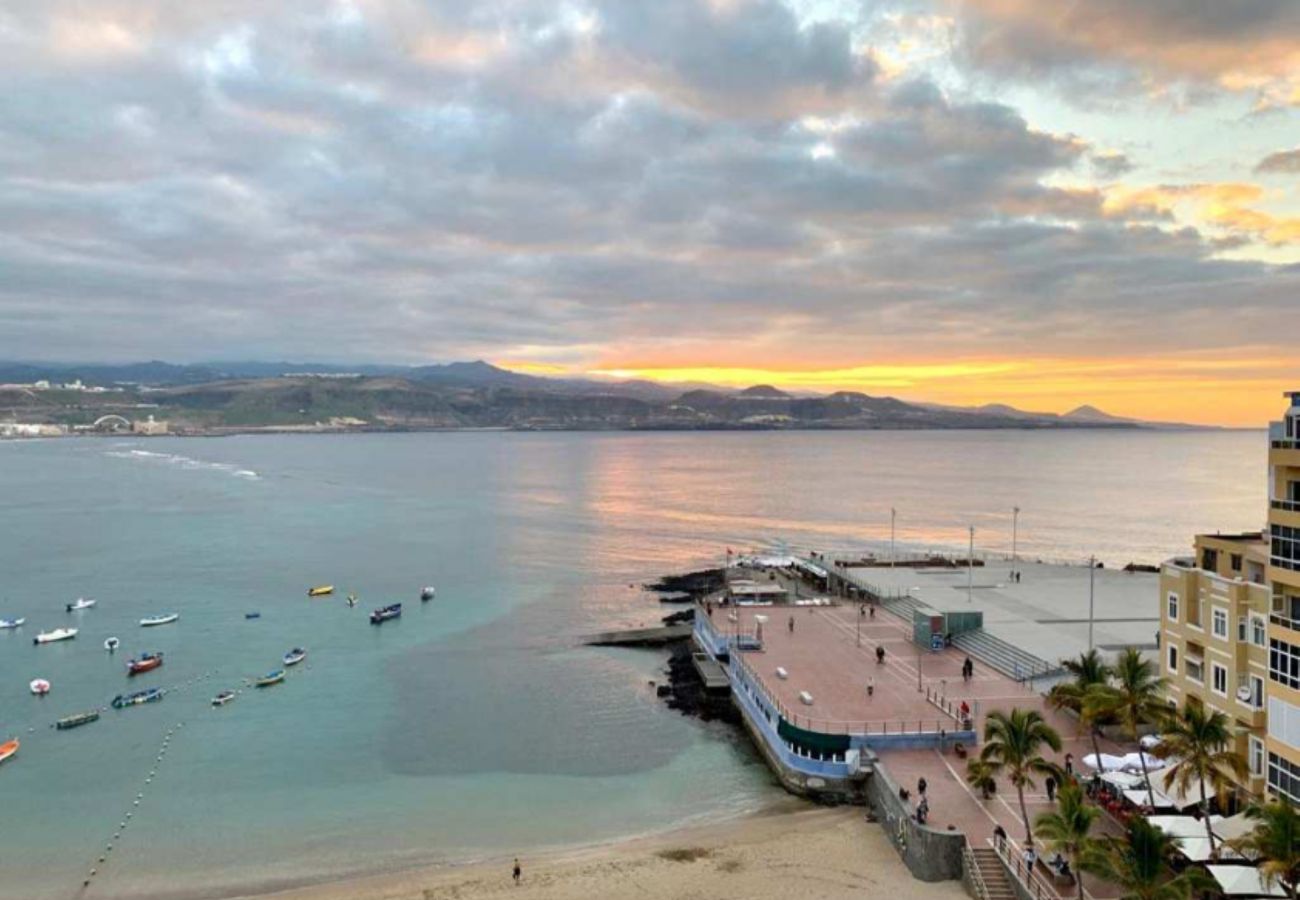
pixel 1092 580
pixel 970 568
pixel 893 515
pixel 1015 528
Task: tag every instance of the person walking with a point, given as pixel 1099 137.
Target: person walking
pixel 871 688
pixel 518 872
pixel 1050 784
pixel 791 624
pixel 921 785
pixel 999 836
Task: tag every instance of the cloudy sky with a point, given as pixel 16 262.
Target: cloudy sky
pixel 953 200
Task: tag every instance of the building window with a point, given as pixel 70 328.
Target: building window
pixel 1210 560
pixel 1255 756
pixel 1258 631
pixel 1173 606
pixel 1256 692
pixel 1283 778
pixel 1219 681
pixel 1220 623
pixel 1284 546
pixel 1195 669
pixel 1235 562
pixel 1241 629
pixel 1284 663
pixel 1173 659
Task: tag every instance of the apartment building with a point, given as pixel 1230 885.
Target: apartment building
pixel 1283 571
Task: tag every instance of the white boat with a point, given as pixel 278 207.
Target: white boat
pixel 80 603
pixel 165 619
pixel 58 634
pixel 40 687
pixel 11 623
pixel 428 593
pixel 111 644
pixel 294 656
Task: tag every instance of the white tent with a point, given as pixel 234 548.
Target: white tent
pixel 1149 741
pixel 1141 797
pixel 1233 827
pixel 1243 881
pixel 1122 780
pixel 1132 762
pixel 1181 800
pixel 1108 762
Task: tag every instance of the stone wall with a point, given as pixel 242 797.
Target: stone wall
pixel 930 854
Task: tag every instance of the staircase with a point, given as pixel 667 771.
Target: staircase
pixel 1004 656
pixel 902 606
pixel 988 875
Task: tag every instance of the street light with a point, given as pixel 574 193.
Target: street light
pixel 1015 528
pixel 893 514
pixel 970 568
pixel 1092 579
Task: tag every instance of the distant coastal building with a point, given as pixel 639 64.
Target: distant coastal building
pixel 1283 740
pixel 1230 624
pixel 1213 635
pixel 22 429
pixel 150 426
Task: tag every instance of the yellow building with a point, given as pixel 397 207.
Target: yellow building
pixel 1213 635
pixel 1283 740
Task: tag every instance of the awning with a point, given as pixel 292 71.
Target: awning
pixel 1108 762
pixel 1142 797
pixel 1234 827
pixel 1181 800
pixel 1243 881
pixel 1122 780
pixel 1182 826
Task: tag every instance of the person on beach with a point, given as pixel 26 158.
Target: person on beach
pixel 518 872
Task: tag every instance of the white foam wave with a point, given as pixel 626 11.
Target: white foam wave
pixel 185 462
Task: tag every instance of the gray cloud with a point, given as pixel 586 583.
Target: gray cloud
pixel 402 181
pixel 1286 161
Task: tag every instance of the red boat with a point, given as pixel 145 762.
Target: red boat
pixel 143 663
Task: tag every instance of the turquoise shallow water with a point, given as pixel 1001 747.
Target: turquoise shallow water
pixel 475 724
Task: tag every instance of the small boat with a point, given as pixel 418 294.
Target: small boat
pixel 428 594
pixel 223 698
pixel 383 614
pixel 111 644
pixel 164 619
pixel 321 590
pixel 11 623
pixel 122 701
pixel 40 687
pixel 270 678
pixel 352 600
pixel 79 719
pixel 143 663
pixel 252 615
pixel 80 603
pixel 58 634
pixel 295 656
pixel 8 749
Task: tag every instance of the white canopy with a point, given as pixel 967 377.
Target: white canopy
pixel 1181 800
pixel 1107 761
pixel 1141 797
pixel 1122 780
pixel 1149 741
pixel 1234 827
pixel 1182 826
pixel 1132 762
pixel 1243 881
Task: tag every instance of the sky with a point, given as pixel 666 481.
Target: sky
pixel 958 201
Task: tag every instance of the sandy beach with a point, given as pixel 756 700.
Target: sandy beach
pixel 795 852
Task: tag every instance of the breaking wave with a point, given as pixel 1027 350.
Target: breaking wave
pixel 184 462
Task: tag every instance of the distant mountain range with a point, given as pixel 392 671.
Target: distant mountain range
pixel 221 396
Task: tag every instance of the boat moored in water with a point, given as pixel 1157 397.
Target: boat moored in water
pixel 8 749
pixel 58 634
pixel 164 619
pixel 79 719
pixel 143 663
pixel 252 615
pixel 428 594
pixel 223 698
pixel 384 613
pixel 80 603
pixel 122 701
pixel 320 590
pixel 270 678
pixel 11 623
pixel 295 656
pixel 40 687
pixel 111 644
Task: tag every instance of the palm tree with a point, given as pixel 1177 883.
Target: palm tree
pixel 1136 698
pixel 1090 672
pixel 1013 745
pixel 1067 830
pixel 1198 739
pixel 1274 844
pixel 980 775
pixel 1138 863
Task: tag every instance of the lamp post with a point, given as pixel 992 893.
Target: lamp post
pixel 1092 580
pixel 893 515
pixel 970 568
pixel 1015 528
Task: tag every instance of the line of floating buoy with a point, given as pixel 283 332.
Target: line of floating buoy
pixel 139 798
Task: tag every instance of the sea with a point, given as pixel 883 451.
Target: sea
pixel 477 725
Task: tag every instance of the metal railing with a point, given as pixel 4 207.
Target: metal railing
pixel 1285 444
pixel 1285 505
pixel 1285 621
pixel 1038 887
pixel 976 874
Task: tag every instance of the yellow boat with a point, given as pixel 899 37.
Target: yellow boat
pixel 321 590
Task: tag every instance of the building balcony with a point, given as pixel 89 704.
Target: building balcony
pixel 1285 452
pixel 1284 621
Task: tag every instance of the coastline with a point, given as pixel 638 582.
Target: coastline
pixel 790 850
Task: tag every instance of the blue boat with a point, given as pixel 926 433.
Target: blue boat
pixel 384 613
pixel 270 678
pixel 122 701
pixel 253 615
